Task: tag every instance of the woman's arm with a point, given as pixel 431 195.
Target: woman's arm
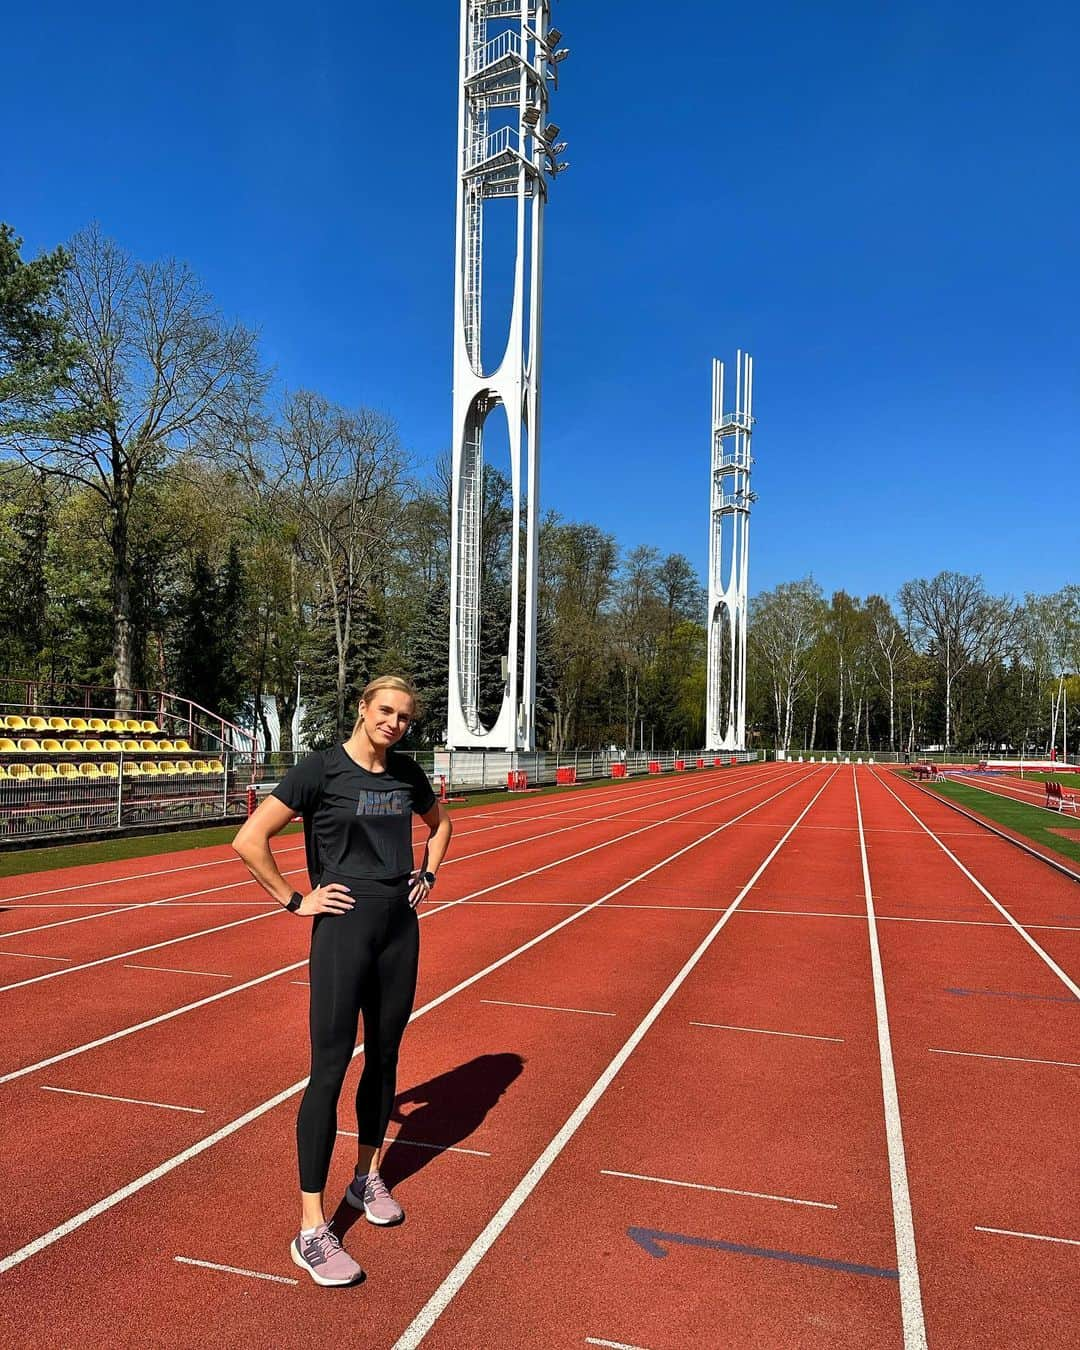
pixel 437 819
pixel 252 843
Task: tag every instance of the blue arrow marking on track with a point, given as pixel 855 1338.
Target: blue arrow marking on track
pixel 651 1240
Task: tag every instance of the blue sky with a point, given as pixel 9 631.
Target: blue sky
pixel 880 202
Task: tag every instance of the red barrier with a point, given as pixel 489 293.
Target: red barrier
pixel 517 780
pixel 654 766
pixel 734 759
pixel 567 774
pixel 680 765
pixel 252 800
pixel 618 771
pixel 701 763
pixel 718 763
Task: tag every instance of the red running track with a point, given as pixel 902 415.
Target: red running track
pixel 669 1084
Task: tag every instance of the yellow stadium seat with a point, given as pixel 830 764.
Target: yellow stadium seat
pixel 91 744
pixel 148 745
pixel 73 745
pixel 3 772
pixel 115 724
pixel 166 766
pixel 43 771
pixel 19 771
pixel 132 770
pixel 89 770
pixel 14 722
pixel 216 766
pixel 109 769
pixel 37 724
pixel 200 766
pixel 58 723
pixel 181 745
pixel 7 745
pixel 110 745
pixel 165 745
pixel 151 727
pixel 95 724
pixel 150 767
pixel 27 746
pixel 130 745
pixel 184 766
pixel 67 770
pixel 77 723
pixel 51 746
pixel 132 724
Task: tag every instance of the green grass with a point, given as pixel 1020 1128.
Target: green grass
pixel 1032 822
pixel 49 856
pixel 1071 779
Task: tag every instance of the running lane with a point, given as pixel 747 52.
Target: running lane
pixel 985 1039
pixel 731 1187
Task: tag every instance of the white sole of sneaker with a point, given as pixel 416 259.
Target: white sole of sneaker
pixel 298 1260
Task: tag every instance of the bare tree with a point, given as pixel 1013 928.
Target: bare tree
pixel 784 625
pixel 953 617
pixel 889 648
pixel 340 476
pixel 159 374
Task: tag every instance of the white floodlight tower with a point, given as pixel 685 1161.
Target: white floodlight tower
pixel 508 149
pixel 729 557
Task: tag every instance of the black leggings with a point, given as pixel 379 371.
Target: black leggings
pixel 361 962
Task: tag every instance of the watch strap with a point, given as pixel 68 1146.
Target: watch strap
pixel 294 902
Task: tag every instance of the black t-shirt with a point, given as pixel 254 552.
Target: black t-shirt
pixel 356 823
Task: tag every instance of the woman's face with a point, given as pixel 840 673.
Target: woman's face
pixel 387 716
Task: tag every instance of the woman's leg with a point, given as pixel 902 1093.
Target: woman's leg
pixel 341 965
pixel 386 1005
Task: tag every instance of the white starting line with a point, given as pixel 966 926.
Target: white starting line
pixel 760 1031
pixel 235 1270
pixel 133 1101
pixel 546 1007
pixel 1036 1237
pixel 720 1190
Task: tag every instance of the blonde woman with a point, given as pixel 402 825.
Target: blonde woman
pixel 357 801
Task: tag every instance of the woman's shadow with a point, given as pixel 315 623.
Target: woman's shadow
pixel 446 1110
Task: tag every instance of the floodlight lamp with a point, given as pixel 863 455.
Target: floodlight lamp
pixel 554 37
pixel 531 116
pixel 557 149
pixel 550 132
pixel 560 55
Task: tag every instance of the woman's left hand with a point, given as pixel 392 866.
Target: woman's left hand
pixel 419 890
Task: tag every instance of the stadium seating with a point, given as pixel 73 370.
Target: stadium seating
pixel 37 724
pixel 110 769
pixel 89 770
pixel 67 770
pixel 43 771
pixel 95 724
pixel 14 723
pixel 50 745
pixel 7 745
pixel 27 745
pixel 77 724
pixel 74 745
pixel 19 771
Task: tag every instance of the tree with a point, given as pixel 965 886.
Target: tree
pixel 158 374
pixel 953 618
pixel 339 480
pixel 36 351
pixel 784 625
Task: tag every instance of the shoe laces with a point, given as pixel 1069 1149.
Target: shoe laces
pixel 327 1242
pixel 375 1188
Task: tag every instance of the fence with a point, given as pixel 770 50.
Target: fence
pixel 119 797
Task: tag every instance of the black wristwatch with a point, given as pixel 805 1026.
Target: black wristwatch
pixel 295 901
pixel 428 878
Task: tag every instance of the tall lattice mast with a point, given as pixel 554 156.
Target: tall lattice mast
pixel 729 557
pixel 510 59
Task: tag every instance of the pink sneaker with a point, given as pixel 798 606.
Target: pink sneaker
pixel 370 1194
pixel 324 1258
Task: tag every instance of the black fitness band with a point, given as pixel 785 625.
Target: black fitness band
pixel 294 902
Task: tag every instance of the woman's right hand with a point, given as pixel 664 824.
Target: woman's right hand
pixel 332 899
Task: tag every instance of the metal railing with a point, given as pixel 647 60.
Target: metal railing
pixel 119 797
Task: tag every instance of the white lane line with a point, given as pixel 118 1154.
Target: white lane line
pixel 612 1345
pixel 307 983
pixel 151 947
pixel 234 1270
pixel 437 1304
pixel 911 1308
pixel 164 903
pixel 30 956
pixel 175 970
pixel 200 1146
pixel 1036 1237
pixel 1069 984
pixel 419 1143
pixel 720 1190
pixel 547 1007
pixel 133 1101
pixel 760 1031
pixel 887 918
pixel 1012 1059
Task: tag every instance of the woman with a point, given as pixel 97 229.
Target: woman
pixel 357 801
